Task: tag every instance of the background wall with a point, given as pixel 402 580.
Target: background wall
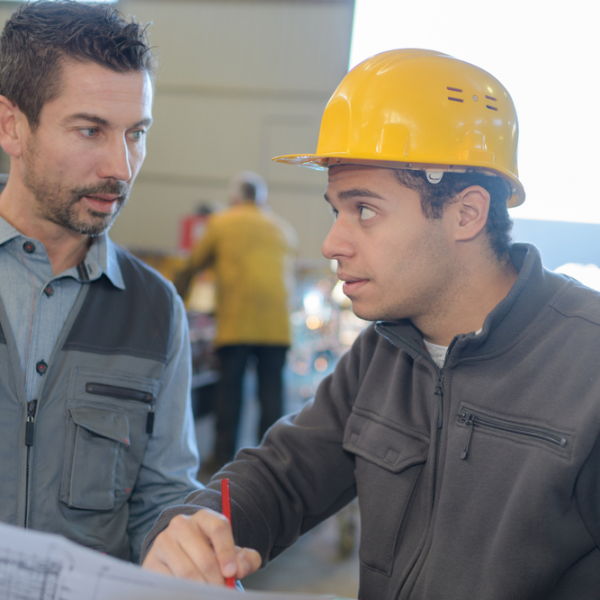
pixel 239 81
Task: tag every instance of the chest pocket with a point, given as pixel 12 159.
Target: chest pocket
pixel 100 437
pixel 389 460
pixel 107 433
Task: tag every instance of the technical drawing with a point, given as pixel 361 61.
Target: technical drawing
pixel 30 577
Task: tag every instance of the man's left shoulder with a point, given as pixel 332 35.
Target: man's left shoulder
pixel 132 266
pixel 143 280
pixel 578 301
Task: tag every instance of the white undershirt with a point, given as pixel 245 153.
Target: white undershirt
pixel 438 353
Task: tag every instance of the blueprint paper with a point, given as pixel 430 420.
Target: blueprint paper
pixel 43 566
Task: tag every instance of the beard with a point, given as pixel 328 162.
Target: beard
pixel 59 203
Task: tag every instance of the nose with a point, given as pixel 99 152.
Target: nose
pixel 116 162
pixel 338 243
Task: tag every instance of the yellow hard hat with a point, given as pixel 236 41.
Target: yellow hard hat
pixel 420 109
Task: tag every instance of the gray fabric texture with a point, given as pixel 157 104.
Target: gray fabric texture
pixel 478 480
pixel 92 471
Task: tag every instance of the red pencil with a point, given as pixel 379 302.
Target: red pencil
pixel 226 510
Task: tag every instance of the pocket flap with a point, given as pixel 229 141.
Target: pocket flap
pixel 389 446
pixel 106 423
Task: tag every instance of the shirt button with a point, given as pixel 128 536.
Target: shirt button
pixel 49 290
pixel 29 247
pixel 41 367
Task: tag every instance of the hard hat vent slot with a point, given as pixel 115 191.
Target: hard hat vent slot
pixel 453 89
pixel 494 100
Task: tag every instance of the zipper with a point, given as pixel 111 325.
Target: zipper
pixel 472 419
pixel 439 392
pixel 29 427
pixel 124 393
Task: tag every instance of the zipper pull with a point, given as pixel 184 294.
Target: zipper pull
pixel 150 418
pixel 31 408
pixel 439 392
pixel 468 423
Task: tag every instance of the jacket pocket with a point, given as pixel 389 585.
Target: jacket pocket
pixel 109 422
pixel 99 435
pixel 389 461
pixel 518 430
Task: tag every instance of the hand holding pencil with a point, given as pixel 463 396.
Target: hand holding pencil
pixel 201 547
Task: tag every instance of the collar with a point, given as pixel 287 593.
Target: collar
pixel 103 252
pixel 7 232
pixel 101 258
pixel 530 293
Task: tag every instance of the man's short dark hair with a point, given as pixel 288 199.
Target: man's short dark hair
pixel 248 191
pixel 40 35
pixel 435 198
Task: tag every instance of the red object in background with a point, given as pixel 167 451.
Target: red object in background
pixel 191 229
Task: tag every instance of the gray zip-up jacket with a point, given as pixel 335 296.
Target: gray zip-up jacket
pixel 104 447
pixel 479 480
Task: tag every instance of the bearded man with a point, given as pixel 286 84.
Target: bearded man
pixel 96 434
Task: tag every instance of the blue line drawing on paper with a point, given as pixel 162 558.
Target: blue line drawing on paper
pixel 30 577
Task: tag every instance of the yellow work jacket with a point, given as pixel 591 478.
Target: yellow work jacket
pixel 251 252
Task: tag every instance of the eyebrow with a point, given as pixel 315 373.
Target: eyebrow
pixel 356 193
pixel 100 121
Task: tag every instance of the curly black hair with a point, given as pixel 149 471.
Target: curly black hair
pixel 40 35
pixel 435 198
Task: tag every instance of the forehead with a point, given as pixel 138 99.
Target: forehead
pixel 346 176
pixel 89 88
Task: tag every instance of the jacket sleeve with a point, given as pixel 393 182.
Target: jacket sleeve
pixel 202 256
pixel 170 464
pixel 296 478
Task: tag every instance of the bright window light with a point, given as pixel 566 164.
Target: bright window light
pixel 546 54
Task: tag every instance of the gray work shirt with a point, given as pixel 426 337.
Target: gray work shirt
pixel 37 302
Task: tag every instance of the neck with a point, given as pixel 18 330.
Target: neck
pixel 474 296
pixel 65 248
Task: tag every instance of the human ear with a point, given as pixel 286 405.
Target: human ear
pixel 10 131
pixel 471 212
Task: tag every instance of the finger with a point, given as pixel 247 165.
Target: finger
pixel 217 530
pixel 153 564
pixel 195 537
pixel 248 561
pixel 184 551
pixel 168 556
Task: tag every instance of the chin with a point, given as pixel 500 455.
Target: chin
pixel 364 313
pixel 374 313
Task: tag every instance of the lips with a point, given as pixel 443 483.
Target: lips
pixel 105 203
pixel 105 197
pixel 352 284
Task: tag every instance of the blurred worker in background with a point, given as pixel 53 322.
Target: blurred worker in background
pixel 251 251
pixel 96 430
pixel 467 418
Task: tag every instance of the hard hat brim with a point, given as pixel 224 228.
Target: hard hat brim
pixel 322 163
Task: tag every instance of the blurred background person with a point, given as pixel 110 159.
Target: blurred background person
pixel 251 251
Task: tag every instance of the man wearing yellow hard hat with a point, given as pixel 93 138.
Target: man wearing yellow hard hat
pixel 467 418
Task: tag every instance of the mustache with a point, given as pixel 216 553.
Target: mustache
pixel 117 188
